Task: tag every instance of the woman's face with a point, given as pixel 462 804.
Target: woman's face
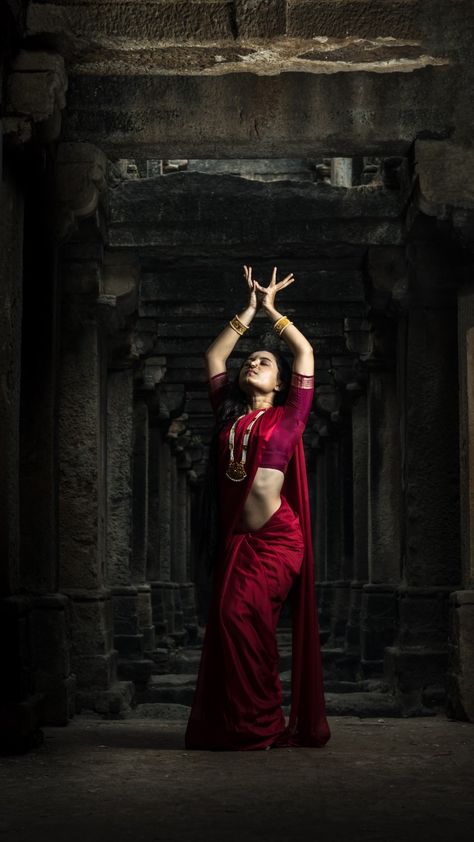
pixel 259 373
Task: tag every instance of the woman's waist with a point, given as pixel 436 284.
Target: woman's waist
pixel 283 521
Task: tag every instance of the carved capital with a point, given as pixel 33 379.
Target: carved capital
pixel 80 177
pixel 35 96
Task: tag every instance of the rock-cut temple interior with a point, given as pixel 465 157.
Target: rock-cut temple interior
pixel 147 152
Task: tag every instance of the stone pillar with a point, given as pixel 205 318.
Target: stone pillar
pixel 176 547
pixel 342 534
pixel 328 544
pixel 319 539
pixel 378 611
pixel 122 575
pixel 82 430
pixel 20 711
pixel 360 521
pixel 461 626
pixel 333 531
pixel 154 542
pixel 82 511
pixel 183 547
pixel 141 526
pixel 11 266
pixel 417 663
pixel 166 597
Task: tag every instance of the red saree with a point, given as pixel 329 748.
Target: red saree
pixel 238 697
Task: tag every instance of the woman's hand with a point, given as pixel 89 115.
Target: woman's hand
pixel 266 295
pixel 252 287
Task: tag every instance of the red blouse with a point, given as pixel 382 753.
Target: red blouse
pixel 280 446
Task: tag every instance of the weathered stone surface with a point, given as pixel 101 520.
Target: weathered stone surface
pixel 461 647
pixel 234 115
pixel 119 476
pixel 165 19
pixel 365 18
pixel 36 89
pixel 212 285
pixel 11 270
pixel 195 212
pixel 80 178
pixel 431 443
pixel 82 486
pixel 446 176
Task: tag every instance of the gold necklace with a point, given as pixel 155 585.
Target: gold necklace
pixel 236 468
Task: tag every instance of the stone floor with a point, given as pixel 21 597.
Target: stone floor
pixel 376 779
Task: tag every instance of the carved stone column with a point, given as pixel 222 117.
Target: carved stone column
pixel 82 434
pixel 445 171
pixel 39 685
pixel 417 663
pixel 360 521
pixel 126 440
pixel 328 545
pixel 461 638
pixel 166 596
pixel 146 492
pixel 183 543
pixel 378 612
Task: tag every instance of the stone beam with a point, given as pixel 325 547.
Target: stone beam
pixel 192 213
pixel 85 21
pixel 341 109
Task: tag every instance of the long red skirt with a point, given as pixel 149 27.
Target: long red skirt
pixel 238 697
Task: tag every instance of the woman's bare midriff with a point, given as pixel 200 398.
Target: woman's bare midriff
pixel 263 499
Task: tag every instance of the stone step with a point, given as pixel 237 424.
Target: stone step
pixel 363 705
pixel 178 688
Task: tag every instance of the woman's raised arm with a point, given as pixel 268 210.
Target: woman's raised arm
pixel 224 343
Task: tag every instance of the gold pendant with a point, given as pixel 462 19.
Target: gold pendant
pixel 236 471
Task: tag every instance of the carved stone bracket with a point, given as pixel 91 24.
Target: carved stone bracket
pixel 445 186
pixel 177 430
pixel 36 95
pixel 374 343
pixel 80 178
pixel 171 400
pixel 153 372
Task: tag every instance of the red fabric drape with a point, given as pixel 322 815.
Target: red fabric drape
pixel 245 554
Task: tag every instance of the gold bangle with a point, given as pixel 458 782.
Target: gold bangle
pixel 238 326
pixel 280 325
pixel 285 326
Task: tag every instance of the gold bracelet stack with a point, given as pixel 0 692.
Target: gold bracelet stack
pixel 238 325
pixel 280 325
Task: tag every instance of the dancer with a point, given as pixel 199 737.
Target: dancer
pixel 263 552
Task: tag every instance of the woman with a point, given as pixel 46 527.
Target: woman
pixel 264 550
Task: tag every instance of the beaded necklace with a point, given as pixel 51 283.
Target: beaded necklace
pixel 236 468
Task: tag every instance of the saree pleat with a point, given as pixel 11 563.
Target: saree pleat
pixel 239 695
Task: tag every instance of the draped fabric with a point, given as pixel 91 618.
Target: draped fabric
pixel 237 702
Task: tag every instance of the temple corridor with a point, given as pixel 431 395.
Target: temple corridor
pixel 145 156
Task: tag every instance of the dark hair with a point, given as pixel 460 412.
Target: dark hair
pixel 230 408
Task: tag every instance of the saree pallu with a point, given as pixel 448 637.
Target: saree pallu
pixel 239 696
